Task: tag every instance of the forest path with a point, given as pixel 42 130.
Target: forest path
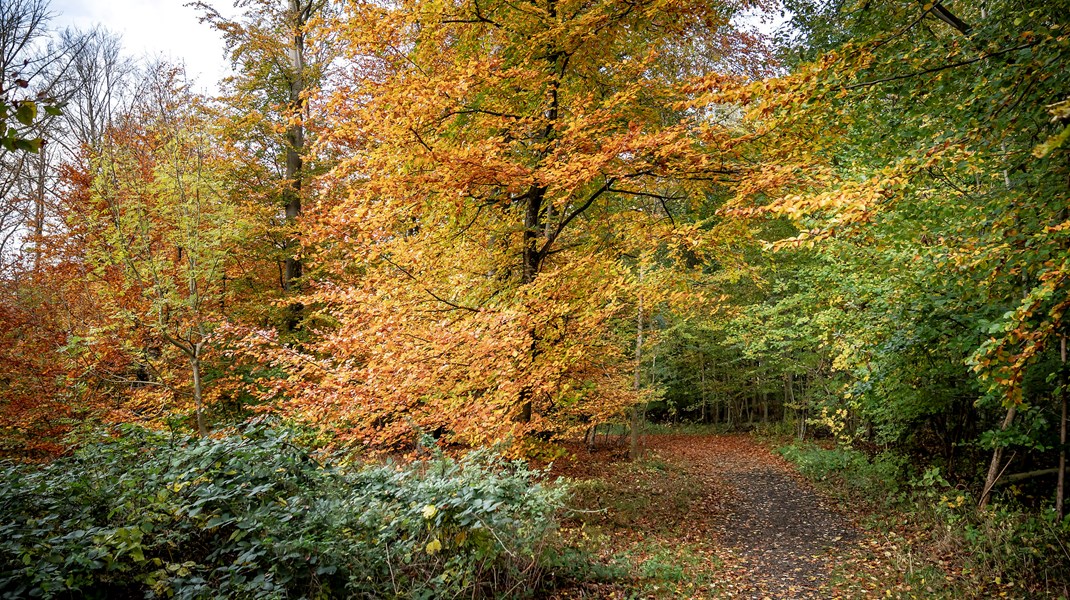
pixel 778 538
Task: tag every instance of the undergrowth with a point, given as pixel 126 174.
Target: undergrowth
pixel 256 516
pixel 622 536
pixel 942 543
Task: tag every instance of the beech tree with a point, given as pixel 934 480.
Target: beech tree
pixel 504 172
pixel 280 56
pixel 161 231
pixel 923 145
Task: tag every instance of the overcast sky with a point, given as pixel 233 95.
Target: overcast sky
pixel 169 29
pixel 151 28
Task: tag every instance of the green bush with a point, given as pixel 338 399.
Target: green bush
pixel 877 479
pixel 150 515
pixel 1000 541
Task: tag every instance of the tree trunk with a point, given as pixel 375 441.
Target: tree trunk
pixel 295 139
pixel 531 257
pixel 633 447
pixel 997 460
pixel 800 412
pixel 702 390
pixel 198 392
pixel 994 470
pixel 1060 488
pixel 765 406
pixel 39 210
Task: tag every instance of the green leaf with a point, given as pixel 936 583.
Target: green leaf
pixel 26 112
pixel 28 145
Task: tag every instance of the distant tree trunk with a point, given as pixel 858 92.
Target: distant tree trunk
pixel 1060 488
pixel 997 460
pixel 39 209
pixel 633 447
pixel 800 412
pixel 702 390
pixel 198 390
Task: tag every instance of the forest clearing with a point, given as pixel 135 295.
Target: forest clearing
pixel 536 299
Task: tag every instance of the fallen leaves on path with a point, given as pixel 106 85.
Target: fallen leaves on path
pixel 703 517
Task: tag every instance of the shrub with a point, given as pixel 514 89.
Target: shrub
pixel 256 516
pixel 877 479
pixel 1000 541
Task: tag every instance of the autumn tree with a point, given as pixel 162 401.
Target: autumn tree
pixel 280 52
pixel 161 230
pixel 915 143
pixel 507 171
pixel 36 78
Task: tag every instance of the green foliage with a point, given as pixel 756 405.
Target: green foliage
pixel 16 137
pixel 255 516
pixel 566 564
pixel 850 471
pixel 999 544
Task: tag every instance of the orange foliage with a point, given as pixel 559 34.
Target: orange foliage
pixel 504 176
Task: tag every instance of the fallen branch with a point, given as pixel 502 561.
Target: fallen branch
pixel 1027 475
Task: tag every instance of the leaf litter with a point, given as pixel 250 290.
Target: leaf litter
pixel 701 516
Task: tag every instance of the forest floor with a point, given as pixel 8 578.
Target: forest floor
pixel 711 516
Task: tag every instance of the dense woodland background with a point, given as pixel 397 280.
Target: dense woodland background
pixel 478 223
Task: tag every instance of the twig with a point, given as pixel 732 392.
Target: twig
pixel 938 69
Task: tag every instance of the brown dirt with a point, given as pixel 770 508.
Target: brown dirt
pixel 773 535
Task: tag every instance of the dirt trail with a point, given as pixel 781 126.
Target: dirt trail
pixel 779 537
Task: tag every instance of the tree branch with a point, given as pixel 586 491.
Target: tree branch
pixel 938 69
pixel 568 219
pixel 429 292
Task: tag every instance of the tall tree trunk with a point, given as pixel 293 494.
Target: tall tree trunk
pixel 633 447
pixel 295 139
pixel 702 390
pixel 994 469
pixel 198 391
pixel 39 210
pixel 800 412
pixel 1060 488
pixel 534 210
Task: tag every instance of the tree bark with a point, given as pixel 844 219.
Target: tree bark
pixel 295 140
pixel 39 210
pixel 633 447
pixel 198 392
pixel 997 460
pixel 1060 488
pixel 1024 476
pixel 703 390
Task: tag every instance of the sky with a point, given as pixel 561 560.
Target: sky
pixel 168 29
pixel 153 28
